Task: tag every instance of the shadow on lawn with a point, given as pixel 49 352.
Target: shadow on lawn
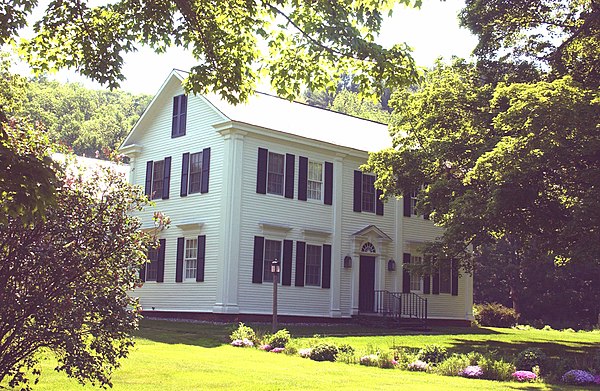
pixel 555 349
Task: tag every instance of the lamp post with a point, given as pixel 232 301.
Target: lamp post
pixel 275 269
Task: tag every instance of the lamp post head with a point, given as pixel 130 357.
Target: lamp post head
pixel 275 267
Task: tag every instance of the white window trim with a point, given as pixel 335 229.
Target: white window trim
pixel 278 258
pixel 320 266
pixel 269 152
pixel 362 194
pixel 322 182
pixel 186 259
pixel 189 184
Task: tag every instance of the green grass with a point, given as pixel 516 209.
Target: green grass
pixel 186 356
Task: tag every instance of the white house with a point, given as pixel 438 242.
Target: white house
pixel 273 179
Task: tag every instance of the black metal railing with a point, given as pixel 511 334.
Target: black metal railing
pixel 400 305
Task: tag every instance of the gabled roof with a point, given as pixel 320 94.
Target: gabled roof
pixel 372 229
pixel 270 112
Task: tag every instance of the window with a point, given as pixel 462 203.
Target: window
pixel 152 266
pixel 313 265
pixel 415 278
pixel 158 177
pixel 275 174
pixel 190 260
pixel 445 277
pixel 272 252
pixel 368 193
pixel 315 180
pixel 413 203
pixel 179 116
pixel 195 172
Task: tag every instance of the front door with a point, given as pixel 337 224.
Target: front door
pixel 366 284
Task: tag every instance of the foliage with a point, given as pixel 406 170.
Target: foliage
pixel 386 360
pixel 370 360
pixel 418 366
pixel 496 369
pixel 453 365
pixel 243 332
pixel 324 352
pixel 524 376
pixel 345 348
pixel 278 340
pixel 235 42
pixel 577 377
pixel 351 103
pixel 64 280
pixel 433 354
pixel 495 315
pixel 531 357
pixel 472 371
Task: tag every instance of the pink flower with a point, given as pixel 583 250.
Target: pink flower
pixel 524 376
pixel 277 350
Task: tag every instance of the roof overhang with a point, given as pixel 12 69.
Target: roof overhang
pixel 372 230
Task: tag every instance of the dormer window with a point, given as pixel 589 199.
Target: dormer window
pixel 179 116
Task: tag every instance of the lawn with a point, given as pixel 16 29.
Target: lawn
pixel 187 356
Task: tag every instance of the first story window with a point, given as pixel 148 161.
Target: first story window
pixel 152 265
pixel 195 177
pixel 275 173
pixel 272 252
pixel 415 279
pixel 315 180
pixel 445 277
pixel 190 259
pixel 313 265
pixel 158 177
pixel 368 193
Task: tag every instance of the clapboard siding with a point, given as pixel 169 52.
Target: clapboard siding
pixel 199 208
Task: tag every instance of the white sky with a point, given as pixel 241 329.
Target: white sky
pixel 432 32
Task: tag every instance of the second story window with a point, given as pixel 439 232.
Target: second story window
pixel 368 193
pixel 179 116
pixel 275 173
pixel 413 203
pixel 195 172
pixel 158 179
pixel 315 181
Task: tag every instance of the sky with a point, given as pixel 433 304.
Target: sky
pixel 431 31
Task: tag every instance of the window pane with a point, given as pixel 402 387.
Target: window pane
pixel 152 267
pixel 190 258
pixel 157 179
pixel 195 172
pixel 272 252
pixel 275 169
pixel 413 203
pixel 315 180
pixel 445 277
pixel 313 265
pixel 415 278
pixel 368 193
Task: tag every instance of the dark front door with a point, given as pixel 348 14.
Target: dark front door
pixel 366 284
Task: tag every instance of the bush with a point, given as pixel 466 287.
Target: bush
pixel 243 332
pixel 495 315
pixel 324 352
pixel 345 348
pixel 432 354
pixel 496 369
pixel 453 365
pixel 404 356
pixel 369 360
pixel 578 377
pixel 386 360
pixel 531 357
pixel 345 357
pixel 278 340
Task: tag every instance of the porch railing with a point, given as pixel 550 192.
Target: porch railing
pixel 398 305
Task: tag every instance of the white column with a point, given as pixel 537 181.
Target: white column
pixel 230 231
pixel 398 243
pixel 336 245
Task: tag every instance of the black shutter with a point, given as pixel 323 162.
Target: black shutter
pixel 257 263
pixel 160 265
pixel 166 178
pixel 405 273
pixel 286 267
pixel 290 162
pixel 302 178
pixel 200 258
pixel 185 169
pixel 205 170
pixel 300 259
pixel 179 260
pixel 175 123
pixel 378 202
pixel 149 167
pixel 357 191
pixel 328 183
pixel 426 284
pixel 435 289
pixel 454 269
pixel 406 199
pixel 326 272
pixel 261 172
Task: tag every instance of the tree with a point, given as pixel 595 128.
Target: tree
pixel 296 42
pixel 64 279
pixel 350 103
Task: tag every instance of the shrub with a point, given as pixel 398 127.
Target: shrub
pixel 404 356
pixel 305 353
pixel 278 340
pixel 472 371
pixel 243 332
pixel 345 348
pixel 432 354
pixel 369 360
pixel 577 377
pixel 496 369
pixel 453 365
pixel 531 357
pixel 495 315
pixel 324 352
pixel 524 376
pixel 346 357
pixel 386 360
pixel 418 366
